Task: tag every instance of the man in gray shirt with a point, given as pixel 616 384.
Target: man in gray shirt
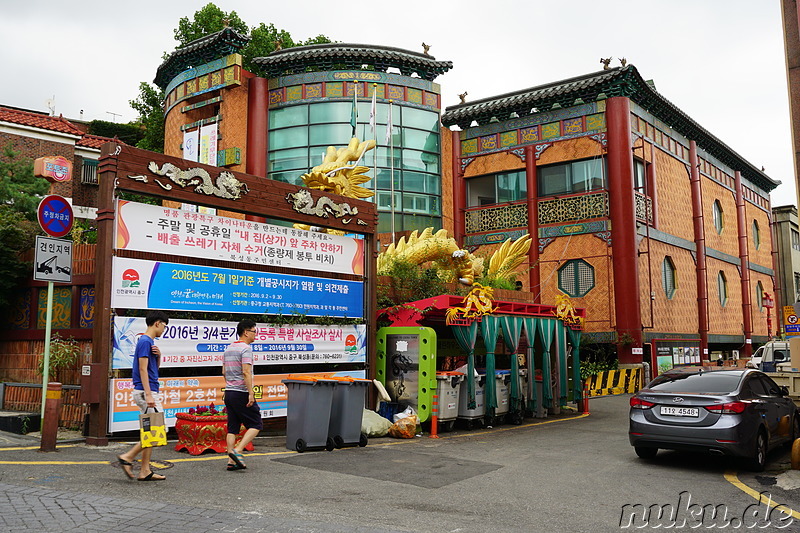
pixel 240 401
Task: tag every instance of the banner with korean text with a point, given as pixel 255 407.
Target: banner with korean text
pixel 178 395
pixel 195 343
pixel 142 284
pixel 151 228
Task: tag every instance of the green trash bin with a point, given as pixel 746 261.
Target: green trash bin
pixel 347 410
pixel 308 412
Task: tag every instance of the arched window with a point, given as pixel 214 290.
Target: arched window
pixel 718 216
pixel 760 296
pixel 756 235
pixel 668 281
pixel 722 288
pixel 576 278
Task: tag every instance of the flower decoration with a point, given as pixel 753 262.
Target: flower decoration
pixel 208 410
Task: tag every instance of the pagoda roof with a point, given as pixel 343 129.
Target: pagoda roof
pixel 198 52
pixel 344 56
pixel 620 81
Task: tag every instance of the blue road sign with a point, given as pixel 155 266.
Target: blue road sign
pixel 55 215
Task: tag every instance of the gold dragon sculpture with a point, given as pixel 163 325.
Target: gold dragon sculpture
pixel 338 176
pixel 477 302
pixel 566 311
pixel 455 262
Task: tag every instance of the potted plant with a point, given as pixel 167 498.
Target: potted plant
pixel 204 428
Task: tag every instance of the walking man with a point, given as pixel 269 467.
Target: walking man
pixel 146 361
pixel 240 401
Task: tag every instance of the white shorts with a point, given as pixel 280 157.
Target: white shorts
pixel 141 403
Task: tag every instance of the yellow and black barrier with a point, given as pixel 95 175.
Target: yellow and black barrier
pixel 623 381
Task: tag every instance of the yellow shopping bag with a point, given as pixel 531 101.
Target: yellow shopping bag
pixel 153 429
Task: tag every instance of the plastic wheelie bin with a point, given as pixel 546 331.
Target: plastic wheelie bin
pixel 502 393
pixel 347 410
pixel 308 412
pixel 471 417
pixel 449 387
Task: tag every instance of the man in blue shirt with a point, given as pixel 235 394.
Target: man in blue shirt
pixel 146 361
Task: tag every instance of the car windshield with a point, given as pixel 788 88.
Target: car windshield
pixel 708 382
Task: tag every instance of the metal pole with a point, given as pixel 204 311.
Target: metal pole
pixel 47 330
pixel 391 159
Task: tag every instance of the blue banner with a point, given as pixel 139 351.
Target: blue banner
pixel 141 284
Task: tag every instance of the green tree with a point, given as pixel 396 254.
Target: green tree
pixel 20 194
pixel 20 190
pixel 207 20
pixel 151 116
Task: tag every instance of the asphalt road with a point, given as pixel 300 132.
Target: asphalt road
pixel 567 474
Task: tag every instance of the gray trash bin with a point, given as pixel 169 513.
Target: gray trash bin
pixel 308 412
pixel 502 393
pixel 347 410
pixel 449 386
pixel 472 416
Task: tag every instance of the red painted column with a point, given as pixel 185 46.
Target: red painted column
pixel 623 227
pixel 459 190
pixel 257 128
pixel 534 272
pixel 700 252
pixel 744 259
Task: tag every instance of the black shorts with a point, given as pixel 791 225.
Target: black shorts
pixel 239 413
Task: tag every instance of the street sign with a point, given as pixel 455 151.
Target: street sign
pixel 53 260
pixel 55 215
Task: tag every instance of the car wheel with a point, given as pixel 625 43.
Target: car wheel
pixel 759 460
pixel 646 453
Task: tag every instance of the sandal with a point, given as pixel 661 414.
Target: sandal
pixel 237 459
pixel 232 467
pixel 126 466
pixel 152 476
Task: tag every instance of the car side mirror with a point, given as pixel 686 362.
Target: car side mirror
pixel 784 390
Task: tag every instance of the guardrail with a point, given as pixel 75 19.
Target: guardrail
pixel 27 397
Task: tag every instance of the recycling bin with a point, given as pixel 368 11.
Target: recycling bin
pixel 308 412
pixel 347 410
pixel 502 393
pixel 474 416
pixel 449 387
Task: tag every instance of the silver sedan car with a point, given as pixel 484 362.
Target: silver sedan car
pixel 737 412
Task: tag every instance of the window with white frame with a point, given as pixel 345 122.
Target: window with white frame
pixel 668 277
pixel 718 216
pixel 756 235
pixel 722 288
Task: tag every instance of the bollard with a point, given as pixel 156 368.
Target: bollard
pixel 435 417
pixel 585 400
pixel 52 409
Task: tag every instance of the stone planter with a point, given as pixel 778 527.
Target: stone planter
pixel 197 434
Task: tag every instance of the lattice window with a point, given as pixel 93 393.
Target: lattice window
pixel 668 281
pixel 576 278
pixel 89 172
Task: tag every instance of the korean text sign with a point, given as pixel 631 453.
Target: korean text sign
pixel 150 228
pixel 196 343
pixel 142 284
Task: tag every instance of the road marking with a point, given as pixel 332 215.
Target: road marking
pixel 732 478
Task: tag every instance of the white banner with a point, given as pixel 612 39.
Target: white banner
pixel 191 141
pixel 151 228
pixel 197 343
pixel 208 144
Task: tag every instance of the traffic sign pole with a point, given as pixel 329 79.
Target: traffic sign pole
pixel 47 330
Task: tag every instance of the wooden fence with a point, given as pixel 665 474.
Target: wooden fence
pixel 27 397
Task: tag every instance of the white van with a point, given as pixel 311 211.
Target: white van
pixel 771 354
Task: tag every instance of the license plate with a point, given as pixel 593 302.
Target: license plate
pixel 680 411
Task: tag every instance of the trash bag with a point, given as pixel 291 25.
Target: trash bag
pixel 374 425
pixel 405 428
pixel 409 411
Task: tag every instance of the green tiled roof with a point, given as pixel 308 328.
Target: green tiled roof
pixel 198 52
pixel 342 56
pixel 620 81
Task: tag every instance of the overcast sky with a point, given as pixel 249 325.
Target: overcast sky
pixel 720 61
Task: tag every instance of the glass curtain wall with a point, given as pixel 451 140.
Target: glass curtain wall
pixel 299 136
